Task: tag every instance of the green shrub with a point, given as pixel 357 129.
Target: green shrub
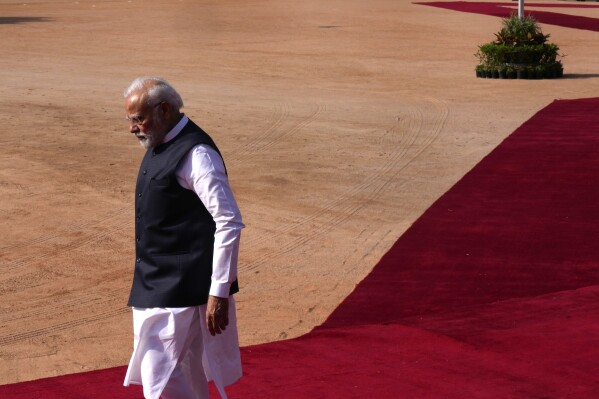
pixel 516 30
pixel 493 54
pixel 520 44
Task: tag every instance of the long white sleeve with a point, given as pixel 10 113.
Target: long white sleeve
pixel 202 170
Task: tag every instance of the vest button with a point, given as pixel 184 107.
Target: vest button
pixel 138 260
pixel 139 195
pixel 145 172
pixel 137 238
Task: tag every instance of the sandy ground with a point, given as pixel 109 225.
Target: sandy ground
pixel 340 122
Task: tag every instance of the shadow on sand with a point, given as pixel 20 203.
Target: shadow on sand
pixel 580 75
pixel 22 20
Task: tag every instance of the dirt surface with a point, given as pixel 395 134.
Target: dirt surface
pixel 340 123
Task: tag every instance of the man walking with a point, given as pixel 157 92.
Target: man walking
pixel 187 230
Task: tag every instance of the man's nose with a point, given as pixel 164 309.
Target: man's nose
pixel 133 128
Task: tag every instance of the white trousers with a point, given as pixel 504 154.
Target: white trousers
pixel 174 355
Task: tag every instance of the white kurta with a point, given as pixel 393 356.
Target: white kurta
pixel 166 338
pixel 173 349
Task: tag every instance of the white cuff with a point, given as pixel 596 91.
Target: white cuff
pixel 220 290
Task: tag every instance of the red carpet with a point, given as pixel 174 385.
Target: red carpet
pixel 492 293
pixel 506 9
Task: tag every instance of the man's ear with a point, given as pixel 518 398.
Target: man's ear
pixel 165 108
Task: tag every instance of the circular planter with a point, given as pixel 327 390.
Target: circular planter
pixel 549 73
pixel 540 74
pixel 522 72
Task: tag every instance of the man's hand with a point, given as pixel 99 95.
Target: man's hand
pixel 217 314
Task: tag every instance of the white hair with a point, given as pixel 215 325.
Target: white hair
pixel 157 89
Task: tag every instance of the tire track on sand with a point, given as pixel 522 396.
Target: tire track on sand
pixel 405 141
pixel 56 328
pixel 88 233
pixel 276 132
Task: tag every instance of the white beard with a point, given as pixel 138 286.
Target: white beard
pixel 146 140
pixel 152 138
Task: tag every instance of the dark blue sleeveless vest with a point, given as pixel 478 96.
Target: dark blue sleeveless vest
pixel 174 232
